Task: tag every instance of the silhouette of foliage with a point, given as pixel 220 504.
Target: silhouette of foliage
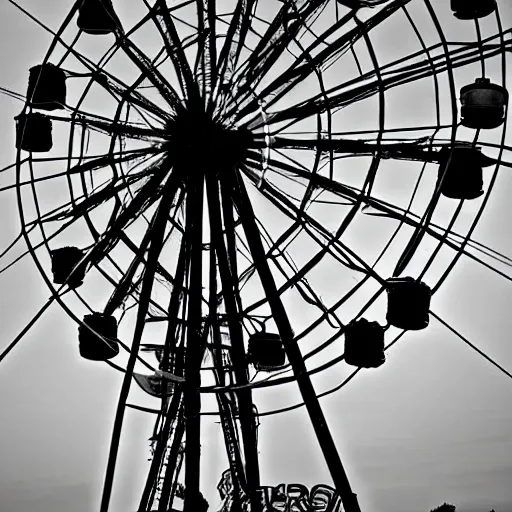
pixel 445 507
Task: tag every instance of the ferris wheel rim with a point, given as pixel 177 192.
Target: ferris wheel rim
pixel 248 175
pixel 116 47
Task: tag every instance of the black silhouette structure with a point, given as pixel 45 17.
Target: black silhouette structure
pixel 473 9
pixel 97 337
pixel 461 172
pixel 34 132
pixel 408 303
pixel 47 87
pixel 483 104
pixel 364 344
pixel 66 267
pixel 214 124
pixel 97 17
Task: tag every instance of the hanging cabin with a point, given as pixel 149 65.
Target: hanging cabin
pixel 34 132
pixel 46 87
pixel 97 17
pixel 472 9
pixel 364 344
pixel 266 351
pixel 460 170
pixel 483 104
pixel 100 346
pixel 154 385
pixel 64 260
pixel 408 303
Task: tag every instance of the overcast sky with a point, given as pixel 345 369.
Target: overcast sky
pixel 433 424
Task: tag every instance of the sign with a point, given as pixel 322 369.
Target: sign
pixel 283 498
pixel 298 498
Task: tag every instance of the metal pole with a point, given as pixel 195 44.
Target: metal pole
pixel 194 214
pixel 309 396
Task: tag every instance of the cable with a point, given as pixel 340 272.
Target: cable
pixel 465 340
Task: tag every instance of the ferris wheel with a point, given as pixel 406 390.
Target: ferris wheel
pixel 210 188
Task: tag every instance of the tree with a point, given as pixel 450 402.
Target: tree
pixel 445 507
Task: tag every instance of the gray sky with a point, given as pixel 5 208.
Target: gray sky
pixel 433 424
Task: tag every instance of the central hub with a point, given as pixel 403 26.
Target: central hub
pixel 196 137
